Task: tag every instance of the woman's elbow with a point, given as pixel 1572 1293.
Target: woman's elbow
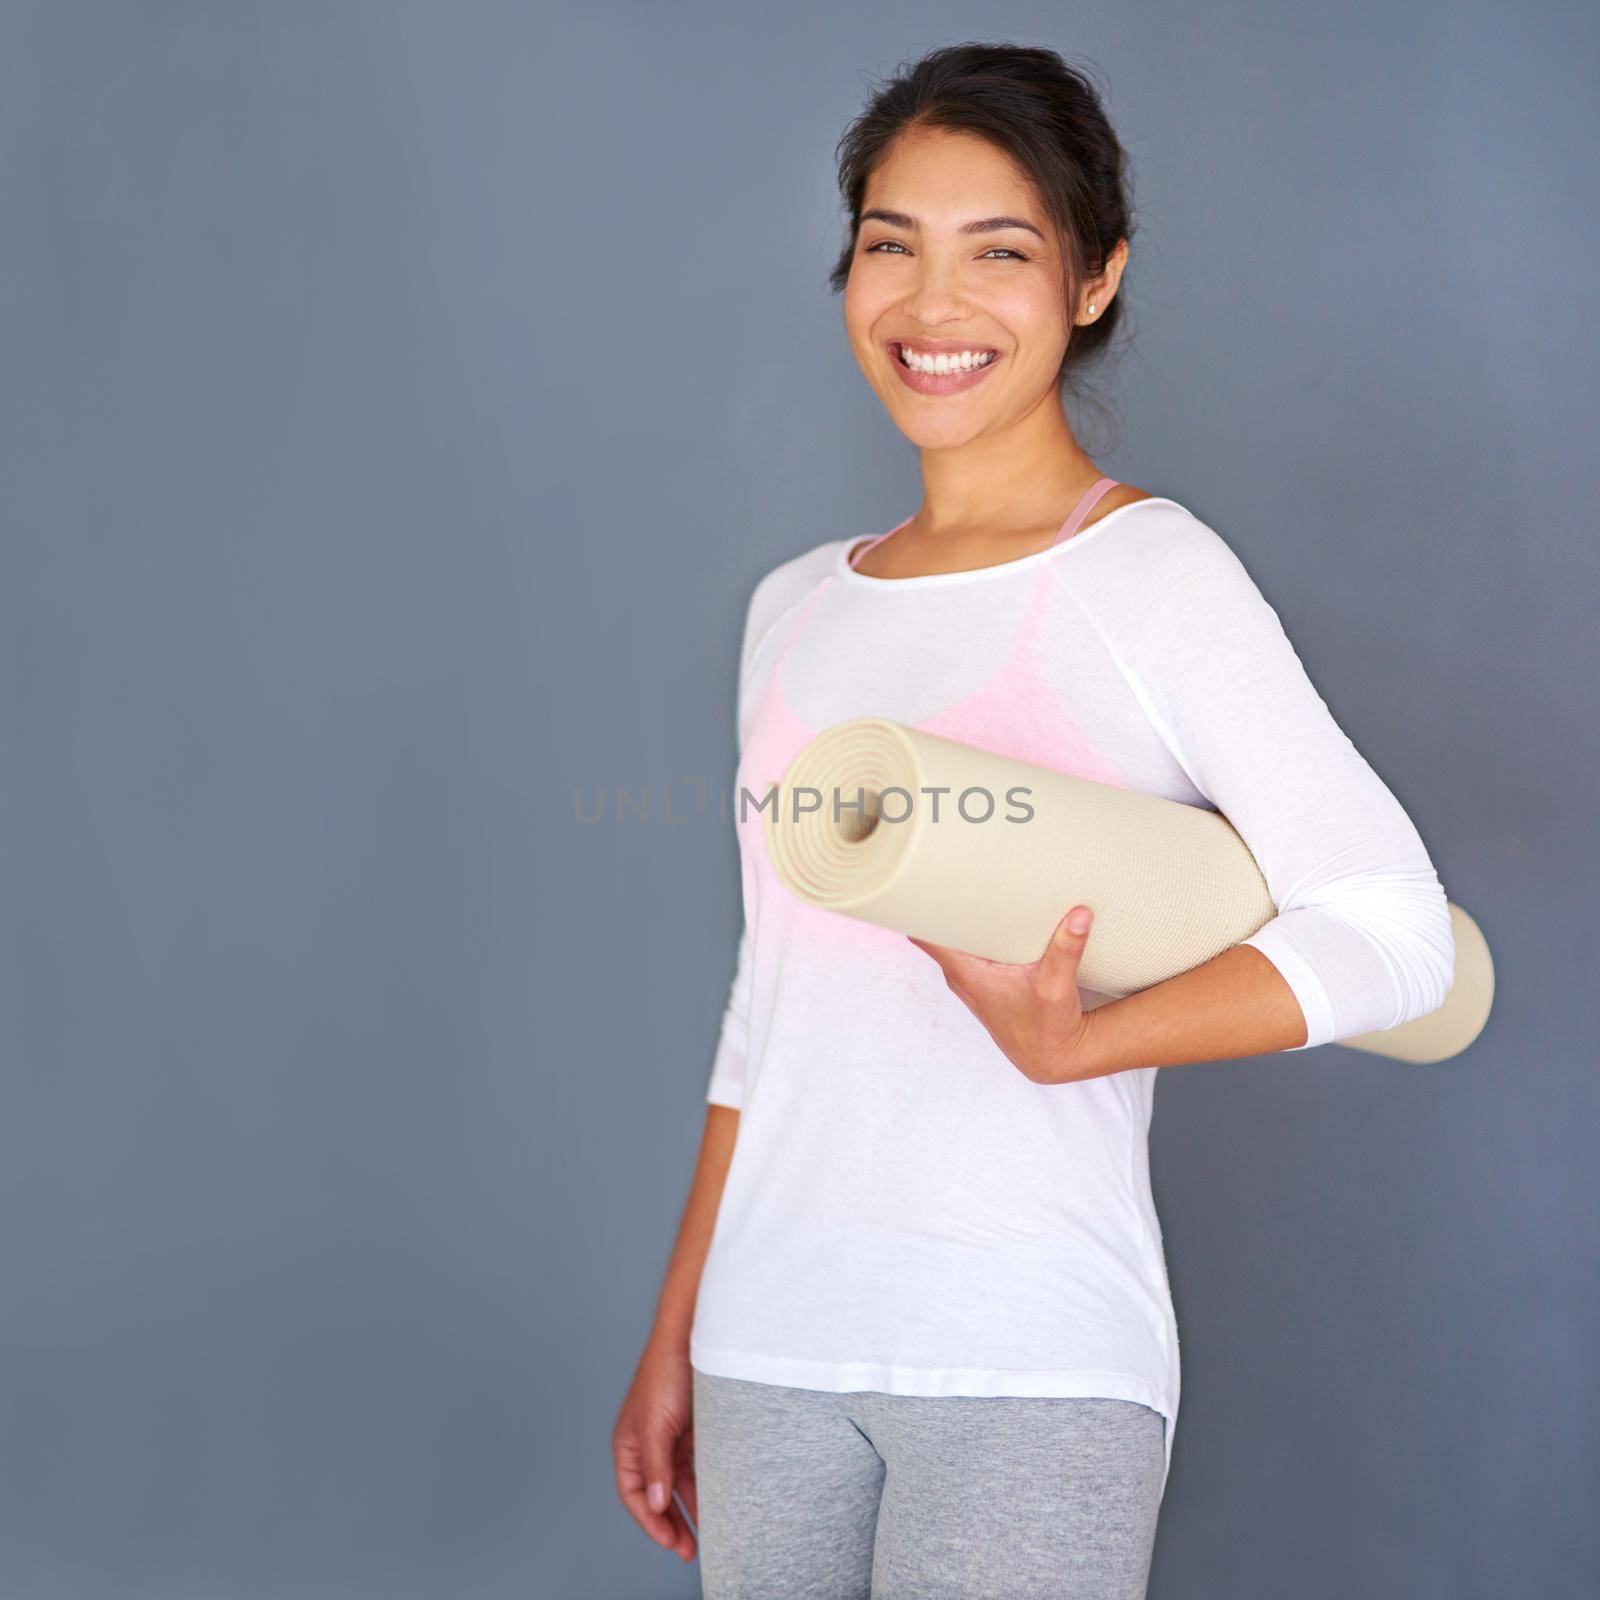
pixel 1441 955
pixel 1418 935
pixel 1404 918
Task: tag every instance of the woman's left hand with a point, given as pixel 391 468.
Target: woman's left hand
pixel 1031 1009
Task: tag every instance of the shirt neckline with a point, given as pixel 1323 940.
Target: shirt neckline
pixel 848 574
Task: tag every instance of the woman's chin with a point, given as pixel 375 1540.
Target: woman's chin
pixel 935 433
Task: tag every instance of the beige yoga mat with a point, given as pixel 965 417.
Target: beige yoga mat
pixel 1171 885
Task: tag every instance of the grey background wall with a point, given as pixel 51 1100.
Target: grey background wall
pixel 400 401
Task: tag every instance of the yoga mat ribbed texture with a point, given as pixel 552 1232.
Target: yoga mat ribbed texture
pixel 968 848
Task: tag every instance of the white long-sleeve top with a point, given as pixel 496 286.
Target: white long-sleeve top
pixel 904 1210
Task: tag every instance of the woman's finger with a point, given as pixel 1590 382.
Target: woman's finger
pixel 1057 974
pixel 628 1454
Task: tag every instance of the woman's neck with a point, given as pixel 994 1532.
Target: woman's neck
pixel 1003 486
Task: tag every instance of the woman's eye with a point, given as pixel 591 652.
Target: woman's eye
pixel 885 246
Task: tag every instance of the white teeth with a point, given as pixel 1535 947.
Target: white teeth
pixel 966 361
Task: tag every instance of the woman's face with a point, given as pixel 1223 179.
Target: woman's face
pixel 921 284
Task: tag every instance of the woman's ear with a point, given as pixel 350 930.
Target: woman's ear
pixel 1099 291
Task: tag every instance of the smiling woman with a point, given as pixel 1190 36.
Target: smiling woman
pixel 916 1337
pixel 982 273
pixel 1034 132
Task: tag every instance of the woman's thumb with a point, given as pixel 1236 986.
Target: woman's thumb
pixel 1072 932
pixel 658 1465
pixel 1059 964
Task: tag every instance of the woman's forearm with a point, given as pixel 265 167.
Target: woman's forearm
pixel 675 1307
pixel 1236 1004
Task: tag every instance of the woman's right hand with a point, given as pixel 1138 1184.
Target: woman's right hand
pixel 652 1445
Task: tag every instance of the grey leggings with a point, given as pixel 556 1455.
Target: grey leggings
pixel 809 1495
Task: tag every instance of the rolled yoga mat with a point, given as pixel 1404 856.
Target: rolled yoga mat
pixel 1171 885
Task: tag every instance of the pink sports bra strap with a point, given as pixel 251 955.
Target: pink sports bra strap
pixel 1091 498
pixel 873 543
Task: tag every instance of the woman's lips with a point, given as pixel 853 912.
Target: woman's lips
pixel 941 382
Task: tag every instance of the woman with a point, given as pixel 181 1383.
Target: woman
pixel 916 1338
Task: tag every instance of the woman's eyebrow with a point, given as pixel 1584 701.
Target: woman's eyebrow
pixel 898 219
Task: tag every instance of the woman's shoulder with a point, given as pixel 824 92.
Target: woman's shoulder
pixel 1156 569
pixel 803 571
pixel 1151 535
pixel 780 588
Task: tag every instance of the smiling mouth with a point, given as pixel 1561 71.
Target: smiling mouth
pixel 943 363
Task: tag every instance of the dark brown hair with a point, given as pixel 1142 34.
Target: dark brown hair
pixel 1047 117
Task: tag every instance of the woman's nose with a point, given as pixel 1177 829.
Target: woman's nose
pixel 936 296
